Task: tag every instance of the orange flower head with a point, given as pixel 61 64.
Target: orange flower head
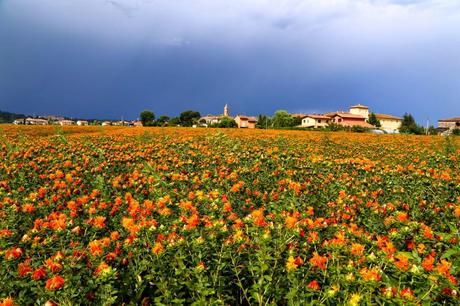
pixel 291 221
pixel 318 261
pixel 428 263
pixel 402 262
pixel 7 302
pixel 55 283
pixel 443 268
pixel 39 273
pixel 314 285
pixel 157 248
pixel 357 249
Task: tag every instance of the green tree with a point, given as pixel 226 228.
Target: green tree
pixel 282 119
pixel 226 122
pixel 408 126
pixel 263 122
pixel 432 130
pixel 147 118
pixel 296 121
pixel 175 121
pixel 162 120
pixel 189 117
pixel 373 120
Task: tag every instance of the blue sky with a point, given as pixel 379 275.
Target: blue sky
pixel 113 58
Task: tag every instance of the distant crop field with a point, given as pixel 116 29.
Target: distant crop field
pixel 116 215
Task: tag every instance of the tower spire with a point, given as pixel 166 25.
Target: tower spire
pixel 226 111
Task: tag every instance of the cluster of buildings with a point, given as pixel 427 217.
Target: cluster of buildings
pixel 51 120
pixel 358 115
pixel 241 121
pixel 446 126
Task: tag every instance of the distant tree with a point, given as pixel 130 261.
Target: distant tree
pixel 358 129
pixel 7 117
pixel 373 120
pixel 175 121
pixel 408 126
pixel 432 131
pixel 162 120
pixel 226 122
pixel 296 121
pixel 189 117
pixel 282 119
pixel 147 118
pixel 456 132
pixel 263 122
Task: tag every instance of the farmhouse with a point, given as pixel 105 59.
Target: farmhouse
pixel 245 122
pixel 82 122
pixel 36 121
pixel 315 121
pixel 389 123
pixel 66 122
pixel 214 119
pixel 450 123
pixel 348 119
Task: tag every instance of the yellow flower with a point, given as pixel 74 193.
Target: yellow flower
pixel 354 300
pixel 290 264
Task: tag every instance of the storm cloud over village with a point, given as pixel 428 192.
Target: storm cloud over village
pixel 101 58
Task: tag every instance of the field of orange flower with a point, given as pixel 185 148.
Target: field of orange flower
pixel 165 216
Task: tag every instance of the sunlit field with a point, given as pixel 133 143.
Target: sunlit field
pixel 117 215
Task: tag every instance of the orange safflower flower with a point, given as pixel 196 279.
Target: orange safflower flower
pixel 443 268
pixel 13 253
pixel 428 263
pixel 427 232
pixel 402 217
pixel 157 248
pixel 407 294
pixel 55 283
pixel 318 261
pixel 99 222
pixel 101 268
pixel 258 217
pixel 357 249
pixel 314 285
pixel 401 262
pixel 7 302
pixel 193 221
pixel 292 263
pixel 114 235
pixel 291 221
pixel 53 266
pixel 95 248
pixel 28 208
pixel 313 237
pixel 457 211
pixel 39 273
pixel 370 274
pixel 24 268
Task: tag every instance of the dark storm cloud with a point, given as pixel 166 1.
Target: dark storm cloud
pixel 112 58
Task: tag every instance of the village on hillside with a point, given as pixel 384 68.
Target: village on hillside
pixel 358 117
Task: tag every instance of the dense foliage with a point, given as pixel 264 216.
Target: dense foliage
pixel 147 117
pixel 7 117
pixel 409 126
pixel 180 216
pixel 373 120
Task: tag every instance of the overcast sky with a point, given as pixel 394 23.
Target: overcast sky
pixel 113 58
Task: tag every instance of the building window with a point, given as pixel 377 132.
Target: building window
pixel 319 121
